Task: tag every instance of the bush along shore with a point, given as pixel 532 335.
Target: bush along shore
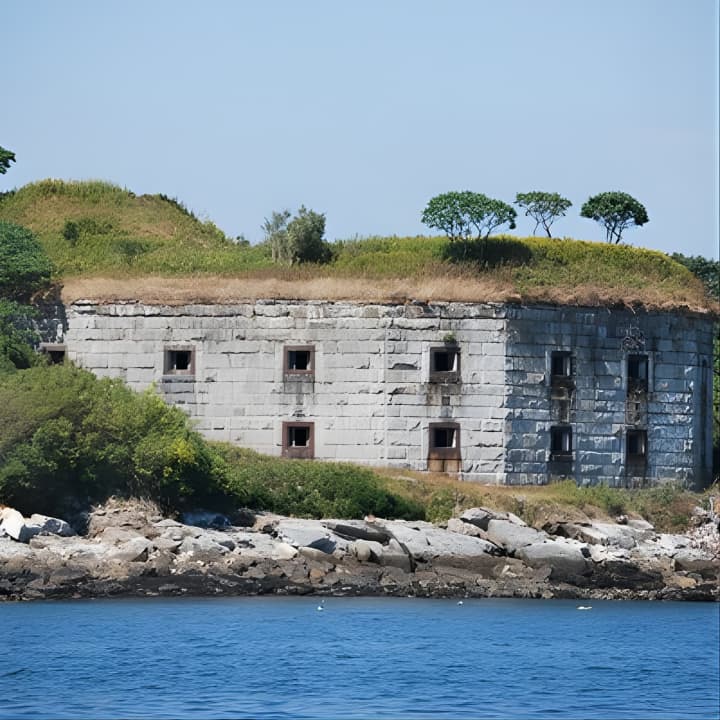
pixel 128 549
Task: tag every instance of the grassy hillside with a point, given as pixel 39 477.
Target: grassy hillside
pixel 109 243
pixel 91 228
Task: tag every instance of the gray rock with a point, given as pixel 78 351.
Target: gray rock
pixel 565 560
pixel 166 523
pixel 283 551
pixel 367 550
pixel 691 560
pixel 205 519
pixel 511 536
pixel 392 555
pixel 118 535
pixel 51 525
pixel 9 548
pixel 135 550
pixel 457 525
pixel 623 536
pixel 308 534
pixel 202 545
pixel 358 530
pixel 481 517
pixel 166 544
pixel 14 525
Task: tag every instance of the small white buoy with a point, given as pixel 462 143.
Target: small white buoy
pixel 460 602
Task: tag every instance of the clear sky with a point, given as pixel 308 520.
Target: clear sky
pixel 364 110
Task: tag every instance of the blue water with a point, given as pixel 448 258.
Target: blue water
pixel 358 658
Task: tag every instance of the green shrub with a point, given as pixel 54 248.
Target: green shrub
pixel 65 434
pixel 310 489
pixel 16 336
pixel 24 267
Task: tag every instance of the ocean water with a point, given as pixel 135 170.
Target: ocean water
pixel 358 658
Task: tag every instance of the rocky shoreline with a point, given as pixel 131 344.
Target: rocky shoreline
pixel 129 550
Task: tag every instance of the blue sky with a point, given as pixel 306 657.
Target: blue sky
pixel 365 110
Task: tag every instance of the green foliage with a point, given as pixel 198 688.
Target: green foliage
pixel 441 505
pixel 612 500
pixel 16 336
pixel 297 240
pixel 24 267
pixel 276 236
pixel 310 489
pixel 306 237
pixel 98 228
pixel 457 214
pixel 708 271
pixel 543 208
pixel 615 211
pixel 6 157
pixel 66 434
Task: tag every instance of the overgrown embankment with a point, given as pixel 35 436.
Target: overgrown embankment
pixel 109 244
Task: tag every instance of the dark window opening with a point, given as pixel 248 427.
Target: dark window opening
pixel 561 443
pixel 636 445
pixel 298 440
pixel 444 363
pixel 179 361
pixel 637 372
pixel 299 360
pixel 561 365
pixel 55 352
pixel 298 436
pixel 443 437
pixel 444 447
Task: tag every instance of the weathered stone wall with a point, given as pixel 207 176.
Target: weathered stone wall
pixel 673 411
pixel 374 394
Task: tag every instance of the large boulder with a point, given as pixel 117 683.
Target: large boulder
pixel 565 559
pixel 694 560
pixel 358 530
pixel 51 525
pixel 623 536
pixel 481 517
pixel 511 536
pixel 13 524
pixel 307 533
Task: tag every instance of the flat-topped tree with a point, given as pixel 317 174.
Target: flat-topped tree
pixel 457 214
pixel 543 207
pixel 6 157
pixel 615 211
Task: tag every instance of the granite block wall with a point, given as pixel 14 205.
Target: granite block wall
pixel 458 387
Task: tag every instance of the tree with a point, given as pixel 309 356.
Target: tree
pixel 298 240
pixel 306 237
pixel 275 229
pixel 458 213
pixel 615 211
pixel 543 207
pixel 6 157
pixel 24 266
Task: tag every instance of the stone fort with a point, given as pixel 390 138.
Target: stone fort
pixel 495 393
